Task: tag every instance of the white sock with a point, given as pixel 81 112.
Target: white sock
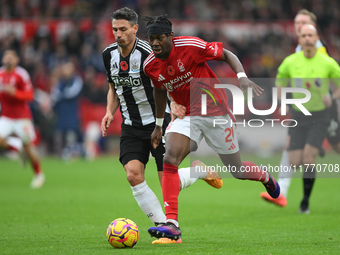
pixel 284 186
pixel 148 202
pixel 175 222
pixel 184 177
pixel 285 176
pixel 15 142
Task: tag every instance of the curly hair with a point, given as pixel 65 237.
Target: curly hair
pixel 162 19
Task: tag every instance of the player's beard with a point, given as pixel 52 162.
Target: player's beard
pixel 8 66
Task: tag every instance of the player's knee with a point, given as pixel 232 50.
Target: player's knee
pixel 193 146
pixel 3 143
pixel 309 159
pixel 170 159
pixel 295 162
pixel 134 179
pixel 238 175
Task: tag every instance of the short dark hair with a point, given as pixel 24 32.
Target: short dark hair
pixel 127 14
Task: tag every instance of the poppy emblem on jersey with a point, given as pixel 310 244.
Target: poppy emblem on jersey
pixel 123 65
pixel 180 65
pixel 171 70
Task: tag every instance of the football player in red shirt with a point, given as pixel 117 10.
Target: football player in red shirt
pixel 178 65
pixel 16 91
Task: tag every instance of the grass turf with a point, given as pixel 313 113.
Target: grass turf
pixel 70 214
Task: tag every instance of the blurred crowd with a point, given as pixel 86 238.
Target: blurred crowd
pixel 70 67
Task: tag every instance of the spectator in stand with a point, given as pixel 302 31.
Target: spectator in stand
pixel 65 96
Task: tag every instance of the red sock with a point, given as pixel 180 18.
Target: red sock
pixel 12 148
pixel 171 187
pixel 254 173
pixel 36 167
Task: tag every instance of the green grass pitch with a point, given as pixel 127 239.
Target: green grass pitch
pixel 70 214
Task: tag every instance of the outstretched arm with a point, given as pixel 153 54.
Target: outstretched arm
pixel 160 96
pixel 235 64
pixel 112 105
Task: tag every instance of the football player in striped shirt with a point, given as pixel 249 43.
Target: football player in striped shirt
pixel 132 91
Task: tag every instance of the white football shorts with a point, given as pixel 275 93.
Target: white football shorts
pixel 219 131
pixel 22 128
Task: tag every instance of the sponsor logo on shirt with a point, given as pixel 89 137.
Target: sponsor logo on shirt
pixel 127 81
pixel 183 79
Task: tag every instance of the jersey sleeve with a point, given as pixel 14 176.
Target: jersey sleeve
pixel 282 77
pixel 106 59
pixel 335 72
pixel 203 51
pixel 24 91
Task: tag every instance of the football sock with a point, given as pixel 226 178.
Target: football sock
pixel 14 143
pixel 171 187
pixel 285 176
pixel 36 167
pixel 254 173
pixel 175 222
pixel 148 202
pixel 184 177
pixel 308 183
pixel 284 184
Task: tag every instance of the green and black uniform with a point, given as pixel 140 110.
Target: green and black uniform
pixel 333 130
pixel 313 74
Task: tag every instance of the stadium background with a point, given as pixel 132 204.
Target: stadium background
pixel 46 33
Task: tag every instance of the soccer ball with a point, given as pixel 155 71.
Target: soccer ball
pixel 122 233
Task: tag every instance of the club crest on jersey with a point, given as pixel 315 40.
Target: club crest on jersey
pixel 135 67
pixel 124 66
pixel 170 70
pixel 180 65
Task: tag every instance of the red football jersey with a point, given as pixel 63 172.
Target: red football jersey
pixel 16 107
pixel 186 75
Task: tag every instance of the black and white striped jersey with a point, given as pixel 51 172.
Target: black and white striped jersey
pixel 132 86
